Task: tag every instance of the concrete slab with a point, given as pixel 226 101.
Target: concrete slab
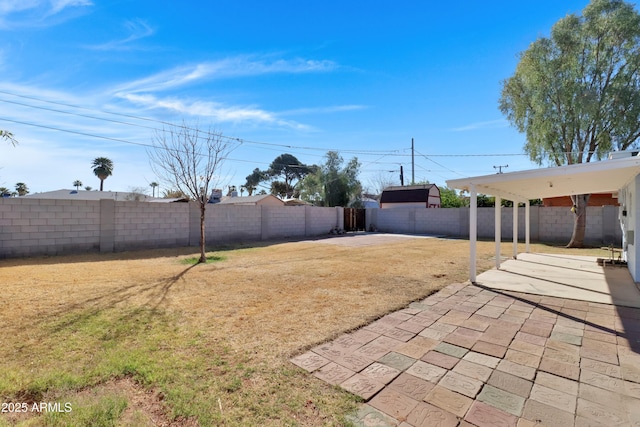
pixel 564 276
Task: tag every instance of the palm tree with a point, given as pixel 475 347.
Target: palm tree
pixel 102 168
pixel 77 183
pixel 4 192
pixel 153 186
pixel 21 188
pixel 8 136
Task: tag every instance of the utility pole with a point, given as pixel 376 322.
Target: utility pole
pixel 401 176
pixel 413 165
pixel 500 168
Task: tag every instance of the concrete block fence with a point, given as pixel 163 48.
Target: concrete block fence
pixel 49 227
pixel 547 224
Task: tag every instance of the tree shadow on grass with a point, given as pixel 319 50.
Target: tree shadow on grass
pixel 90 308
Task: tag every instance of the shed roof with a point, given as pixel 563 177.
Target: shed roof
pixel 409 194
pixel 585 178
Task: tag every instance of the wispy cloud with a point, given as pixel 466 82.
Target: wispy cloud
pixel 238 66
pixel 59 5
pixel 216 111
pixel 12 6
pixel 491 124
pixel 324 110
pixel 137 29
pixel 36 13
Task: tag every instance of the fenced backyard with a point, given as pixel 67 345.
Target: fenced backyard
pixel 51 227
pixel 146 338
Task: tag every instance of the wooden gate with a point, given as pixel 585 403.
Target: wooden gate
pixel 354 219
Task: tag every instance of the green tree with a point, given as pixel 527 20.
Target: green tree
pixel 253 179
pixel 284 172
pixel 4 192
pixel 77 183
pixel 576 94
pixel 449 198
pixel 102 168
pixel 88 188
pixel 288 169
pixel 22 189
pixel 331 184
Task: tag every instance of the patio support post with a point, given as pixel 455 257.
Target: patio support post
pixel 527 228
pixel 473 231
pixel 515 229
pixel 498 228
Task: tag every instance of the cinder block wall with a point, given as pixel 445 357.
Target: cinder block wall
pixel 48 227
pixel 547 224
pixel 319 221
pixel 283 221
pixel 39 226
pixel 141 225
pixel 225 223
pixel 394 220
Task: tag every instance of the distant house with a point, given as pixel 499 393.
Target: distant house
pixel 596 199
pixel 423 196
pixel 260 200
pixel 92 195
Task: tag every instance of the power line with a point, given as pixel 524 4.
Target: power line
pixel 111 138
pixel 146 145
pixel 237 139
pixel 439 164
pixel 233 138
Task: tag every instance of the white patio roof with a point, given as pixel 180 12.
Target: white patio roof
pixel 585 178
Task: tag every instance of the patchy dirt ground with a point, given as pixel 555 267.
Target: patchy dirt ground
pixel 248 313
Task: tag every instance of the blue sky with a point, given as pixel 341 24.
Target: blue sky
pixel 281 76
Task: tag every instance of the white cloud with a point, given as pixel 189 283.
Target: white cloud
pixel 491 124
pixel 239 66
pixel 137 29
pixel 36 13
pixel 12 6
pixel 216 111
pixel 59 5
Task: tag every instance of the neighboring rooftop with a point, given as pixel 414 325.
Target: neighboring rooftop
pixel 261 199
pixel 66 194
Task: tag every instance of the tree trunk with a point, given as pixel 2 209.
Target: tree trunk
pixel 203 255
pixel 580 220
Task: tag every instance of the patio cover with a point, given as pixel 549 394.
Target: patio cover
pixel 585 178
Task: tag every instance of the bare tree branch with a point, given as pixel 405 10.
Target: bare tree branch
pixel 189 159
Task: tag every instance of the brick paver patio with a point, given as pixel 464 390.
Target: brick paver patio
pixel 470 356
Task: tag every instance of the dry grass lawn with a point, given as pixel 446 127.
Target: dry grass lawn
pixel 141 338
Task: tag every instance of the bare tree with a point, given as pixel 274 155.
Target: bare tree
pixel 382 180
pixel 188 159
